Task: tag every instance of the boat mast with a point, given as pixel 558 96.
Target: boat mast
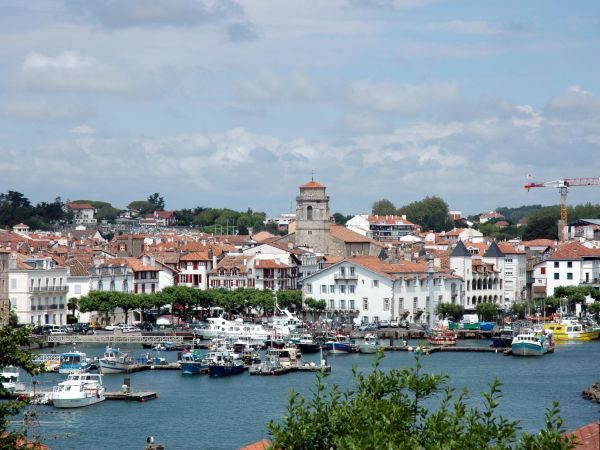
pixel 430 272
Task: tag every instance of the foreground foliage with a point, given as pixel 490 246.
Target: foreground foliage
pixel 13 352
pixel 390 410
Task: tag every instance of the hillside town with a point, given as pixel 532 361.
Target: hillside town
pixel 372 269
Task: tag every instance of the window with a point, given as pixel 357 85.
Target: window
pixel 375 283
pixel 323 289
pixel 508 260
pixel 351 270
pixel 386 304
pixel 400 304
pixel 569 275
pixel 543 270
pixel 366 304
pixel 556 276
pixel 342 271
pixel 569 264
pixel 332 288
pixel 342 289
pixel 78 289
pixel 13 283
pixel 556 264
pixel 331 303
pixel 351 304
pixel 342 304
pixel 309 288
pixel 351 288
pixel 415 302
pixel 309 213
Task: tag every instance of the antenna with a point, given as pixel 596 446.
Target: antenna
pixel 312 175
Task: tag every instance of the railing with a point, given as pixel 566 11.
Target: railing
pixel 109 338
pixel 48 288
pixel 347 276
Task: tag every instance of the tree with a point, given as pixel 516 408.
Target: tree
pixel 383 207
pixel 14 344
pixel 157 202
pixel 143 206
pixel 542 225
pixel 594 309
pixel 392 410
pixel 450 310
pixel 487 311
pixel 431 213
pixel 341 219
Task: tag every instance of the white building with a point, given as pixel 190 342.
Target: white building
pixel 514 274
pixel 79 283
pixel 573 264
pixel 83 213
pixel 38 290
pixel 382 228
pixel 366 289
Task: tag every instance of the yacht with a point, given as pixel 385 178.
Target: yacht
pixel 10 380
pixel 285 324
pixel 73 362
pixel 78 390
pixel 115 361
pixel 233 329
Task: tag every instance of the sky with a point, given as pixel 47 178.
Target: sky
pixel 226 103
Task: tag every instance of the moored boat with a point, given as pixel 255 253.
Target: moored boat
pixel 371 344
pixel 503 337
pixel 115 361
pixel 193 363
pixel 530 344
pixel 340 345
pixel 73 362
pixel 307 344
pixel 571 330
pixel 441 336
pixel 10 379
pixel 78 390
pixel 224 364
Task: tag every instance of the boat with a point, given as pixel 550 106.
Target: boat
pixel 530 343
pixel 287 358
pixel 571 330
pixel 193 363
pixel 441 336
pixel 233 329
pixel 307 344
pixel 371 344
pixel 503 337
pixel 285 324
pixel 10 380
pixel 78 390
pixel 115 361
pixel 341 344
pixel 73 362
pixel 224 364
pixel 246 352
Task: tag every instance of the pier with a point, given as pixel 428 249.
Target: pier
pixel 256 370
pixel 131 396
pixel 112 338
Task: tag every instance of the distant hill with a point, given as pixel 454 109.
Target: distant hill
pixel 513 215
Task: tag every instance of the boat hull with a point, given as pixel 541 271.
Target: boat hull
pixel 338 348
pixel 310 348
pixel 63 402
pixel 368 348
pixel 441 341
pixel 527 349
pixel 107 367
pixel 225 371
pixel 193 368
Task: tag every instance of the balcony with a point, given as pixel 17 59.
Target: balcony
pixel 50 289
pixel 345 276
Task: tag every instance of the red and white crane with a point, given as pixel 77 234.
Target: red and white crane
pixel 563 187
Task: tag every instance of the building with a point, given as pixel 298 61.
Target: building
pixel 514 273
pixel 382 228
pixel 586 229
pixel 483 218
pixel 83 213
pixel 79 281
pixel 21 228
pixel 194 268
pixel 367 289
pixel 573 264
pixel 4 297
pixel 38 290
pixel 128 245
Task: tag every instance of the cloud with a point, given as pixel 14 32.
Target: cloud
pixel 475 27
pixel 242 31
pixel 268 88
pixel 71 71
pixel 82 129
pixel 392 4
pixel 400 98
pixel 41 110
pixel 158 13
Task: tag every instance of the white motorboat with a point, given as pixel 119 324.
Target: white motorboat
pixel 371 344
pixel 233 329
pixel 74 362
pixel 286 324
pixel 78 390
pixel 115 361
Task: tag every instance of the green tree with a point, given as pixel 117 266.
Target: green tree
pixel 157 202
pixel 383 207
pixel 487 311
pixel 594 309
pixel 431 213
pixel 341 219
pixel 388 410
pixel 14 344
pixel 143 206
pixel 452 311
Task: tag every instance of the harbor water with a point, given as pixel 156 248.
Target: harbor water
pixel 226 413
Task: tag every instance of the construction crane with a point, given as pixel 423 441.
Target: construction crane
pixel 563 188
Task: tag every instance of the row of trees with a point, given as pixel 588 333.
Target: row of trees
pixel 189 302
pixel 431 213
pixel 16 208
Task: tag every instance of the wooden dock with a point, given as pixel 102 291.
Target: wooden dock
pixel 445 348
pixel 131 396
pixel 256 370
pixel 112 338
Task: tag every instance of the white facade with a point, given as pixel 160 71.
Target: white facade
pixel 365 295
pixel 38 291
pixel 539 286
pixel 79 287
pixel 515 277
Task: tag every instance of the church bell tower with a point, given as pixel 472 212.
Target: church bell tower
pixel 313 219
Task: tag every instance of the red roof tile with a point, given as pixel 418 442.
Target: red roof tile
pixel 312 185
pixel 587 437
pixel 574 250
pixel 80 206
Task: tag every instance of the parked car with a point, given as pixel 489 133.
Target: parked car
pixel 394 324
pixel 368 327
pixel 384 323
pixel 114 327
pixel 404 324
pixel 145 326
pixel 129 329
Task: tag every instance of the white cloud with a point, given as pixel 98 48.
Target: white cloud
pixel 475 27
pixel 82 129
pixel 268 88
pixel 71 71
pixel 44 111
pixel 395 4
